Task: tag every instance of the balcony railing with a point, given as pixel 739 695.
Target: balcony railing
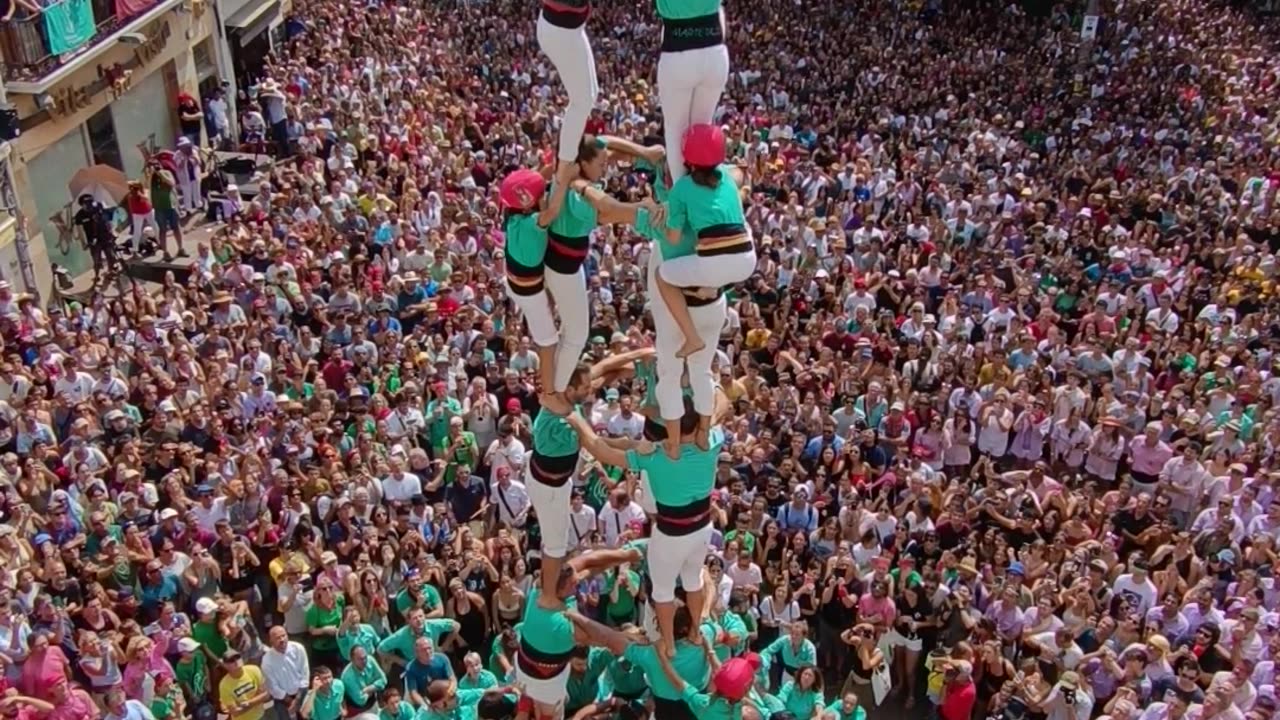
pixel 30 51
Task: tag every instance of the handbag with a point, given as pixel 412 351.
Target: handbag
pixel 881 683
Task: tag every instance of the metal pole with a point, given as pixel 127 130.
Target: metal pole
pixel 11 204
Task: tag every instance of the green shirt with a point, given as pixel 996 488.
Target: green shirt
pixel 162 706
pixel 712 707
pixel 625 678
pixel 318 617
pixel 482 681
pixel 208 635
pixel 676 483
pixel 467 700
pixel 690 664
pixel 162 193
pixel 363 635
pixel 584 689
pixel 697 207
pixel 626 602
pixel 746 540
pixel 800 703
pixel 553 436
pixel 356 680
pixel 732 624
pixel 688 244
pixel 768 704
pixel 577 217
pixel 328 705
pixel 468 453
pixel 837 707
pixel 430 599
pixel 404 711
pixel 526 242
pixel 401 641
pixel 193 676
pixel 782 648
pixel 438 427
pixel 548 631
pixel 683 9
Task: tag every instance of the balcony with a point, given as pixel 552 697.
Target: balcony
pixel 34 45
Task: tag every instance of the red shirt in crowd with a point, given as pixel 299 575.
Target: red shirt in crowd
pixel 958 704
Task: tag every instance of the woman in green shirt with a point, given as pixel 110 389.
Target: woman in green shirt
pixel 804 694
pixel 569 244
pixel 707 204
pixel 525 229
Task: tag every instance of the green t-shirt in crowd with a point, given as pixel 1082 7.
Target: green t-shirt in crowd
pixel 465 709
pixel 798 702
pixel 208 635
pixel 430 599
pixel 837 707
pixel 363 635
pixel 584 689
pixel 328 705
pixel 193 676
pixel 689 479
pixel 482 681
pixel 318 617
pixel 355 681
pixel 625 606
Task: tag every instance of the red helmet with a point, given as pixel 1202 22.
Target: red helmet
pixel 521 189
pixel 703 145
pixel 736 676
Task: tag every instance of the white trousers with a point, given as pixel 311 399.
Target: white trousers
pixel 709 321
pixel 549 691
pixel 570 52
pixel 190 192
pixel 693 271
pixel 140 222
pixel 677 556
pixel 536 310
pixel 570 295
pixel 690 84
pixel 552 506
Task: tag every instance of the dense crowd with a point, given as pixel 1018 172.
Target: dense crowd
pixel 997 429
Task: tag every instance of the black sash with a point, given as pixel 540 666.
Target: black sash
pixel 692 33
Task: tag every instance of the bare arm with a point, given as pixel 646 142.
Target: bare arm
pixel 599 449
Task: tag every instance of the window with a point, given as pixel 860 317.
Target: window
pixel 102 139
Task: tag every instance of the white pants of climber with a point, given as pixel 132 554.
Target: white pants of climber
pixel 570 53
pixel 536 310
pixel 649 622
pixel 552 506
pixel 677 556
pixel 569 292
pixel 709 321
pixel 690 84
pixel 549 691
pixel 715 271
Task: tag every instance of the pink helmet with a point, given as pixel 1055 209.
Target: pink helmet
pixel 703 145
pixel 736 677
pixel 521 189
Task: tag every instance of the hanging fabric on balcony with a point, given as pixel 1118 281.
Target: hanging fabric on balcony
pixel 69 25
pixel 129 8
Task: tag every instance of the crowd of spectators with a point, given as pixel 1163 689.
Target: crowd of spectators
pixel 1004 383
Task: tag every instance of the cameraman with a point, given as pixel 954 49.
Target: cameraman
pixel 1069 699
pixel 95 222
pixel 958 692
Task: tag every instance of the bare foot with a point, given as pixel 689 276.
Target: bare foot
pixel 690 347
pixel 667 647
pixel 672 446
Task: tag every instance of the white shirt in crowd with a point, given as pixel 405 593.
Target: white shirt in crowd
pixel 614 522
pixel 287 673
pixel 512 502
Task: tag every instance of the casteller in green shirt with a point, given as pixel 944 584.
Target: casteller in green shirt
pixel 548 632
pixel 690 664
pixel 677 483
pixel 465 705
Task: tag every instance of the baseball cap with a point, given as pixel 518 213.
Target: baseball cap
pixel 204 606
